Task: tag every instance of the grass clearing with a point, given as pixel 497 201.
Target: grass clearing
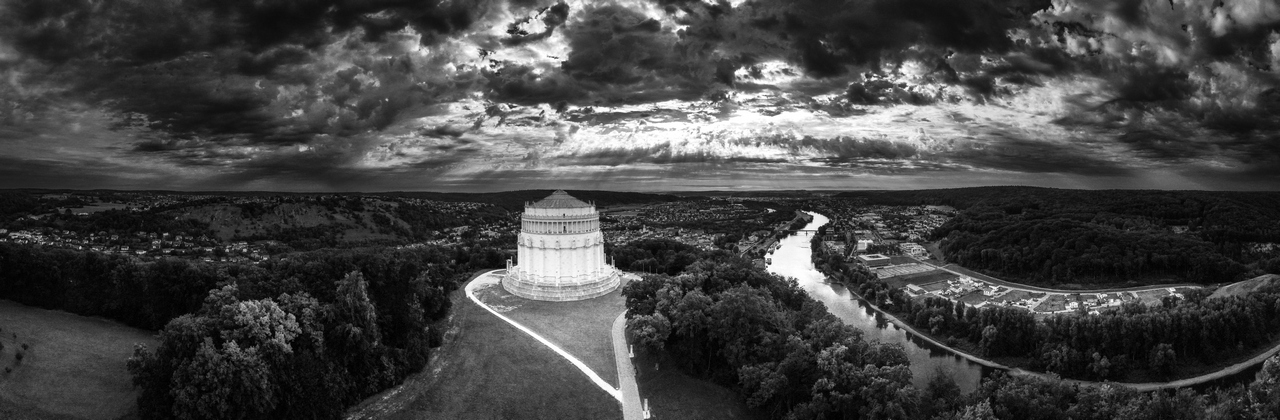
pixel 98 207
pixel 675 395
pixel 74 367
pixel 1017 295
pixel 973 298
pixel 935 286
pixel 1053 304
pixel 488 369
pixel 926 277
pixel 1245 287
pixel 1151 297
pixel 582 328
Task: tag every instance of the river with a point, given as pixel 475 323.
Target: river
pixel 792 258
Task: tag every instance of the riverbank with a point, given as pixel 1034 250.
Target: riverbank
pixel 793 259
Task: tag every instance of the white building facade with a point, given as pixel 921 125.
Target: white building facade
pixel 561 252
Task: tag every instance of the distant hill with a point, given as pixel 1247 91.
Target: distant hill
pixel 1245 287
pixel 300 221
pixel 514 200
pixel 1054 236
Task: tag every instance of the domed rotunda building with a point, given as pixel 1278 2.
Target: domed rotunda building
pixel 561 252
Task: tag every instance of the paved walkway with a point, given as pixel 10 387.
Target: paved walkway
pixel 631 404
pixel 491 278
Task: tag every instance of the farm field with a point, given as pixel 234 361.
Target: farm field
pixel 73 366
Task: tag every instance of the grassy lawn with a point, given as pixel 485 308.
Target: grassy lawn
pixel 1151 297
pixel 97 207
pixel 581 328
pixel 490 370
pixel 1053 304
pixel 674 395
pixel 920 278
pixel 1018 295
pixel 973 298
pixel 935 286
pixel 74 367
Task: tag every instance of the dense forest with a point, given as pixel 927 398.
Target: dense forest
pixel 1074 237
pixel 653 256
pixel 1109 345
pixel 783 214
pixel 303 335
pixel 730 322
pixel 1025 398
pixel 122 222
pixel 292 222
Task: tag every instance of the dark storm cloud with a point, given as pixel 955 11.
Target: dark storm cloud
pixel 830 35
pixel 184 98
pixel 265 62
pixel 1036 61
pixel 18 172
pixel 328 165
pixel 1185 81
pixel 60 30
pixel 617 55
pixel 663 154
pixel 1011 152
pixel 196 68
pixel 617 45
pixel 843 147
pixel 345 93
pixel 1187 30
pixel 525 84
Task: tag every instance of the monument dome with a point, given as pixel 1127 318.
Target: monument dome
pixel 561 252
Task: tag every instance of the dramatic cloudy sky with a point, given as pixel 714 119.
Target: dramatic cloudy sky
pixel 367 95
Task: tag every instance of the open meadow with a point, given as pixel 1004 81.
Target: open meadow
pixel 71 366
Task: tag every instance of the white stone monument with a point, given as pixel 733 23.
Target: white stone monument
pixel 561 252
